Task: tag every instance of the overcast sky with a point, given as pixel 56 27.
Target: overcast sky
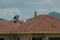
pixel 26 8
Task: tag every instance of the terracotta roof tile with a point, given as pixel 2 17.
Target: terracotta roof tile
pixel 39 24
pixel 6 26
pixel 42 23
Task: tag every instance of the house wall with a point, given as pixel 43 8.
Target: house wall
pixel 25 36
pixel 44 36
pixel 8 37
pixel 28 36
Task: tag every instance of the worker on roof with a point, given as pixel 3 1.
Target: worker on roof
pixel 16 19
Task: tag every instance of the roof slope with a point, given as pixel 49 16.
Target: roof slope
pixel 41 24
pixel 7 27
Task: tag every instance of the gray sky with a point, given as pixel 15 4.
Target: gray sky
pixel 26 8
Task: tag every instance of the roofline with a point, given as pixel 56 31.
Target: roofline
pixel 26 32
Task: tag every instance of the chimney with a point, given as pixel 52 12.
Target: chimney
pixel 35 13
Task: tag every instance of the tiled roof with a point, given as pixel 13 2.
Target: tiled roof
pixel 39 24
pixel 7 27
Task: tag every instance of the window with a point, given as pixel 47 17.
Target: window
pixel 54 38
pixel 36 38
pixel 18 39
pixel 1 38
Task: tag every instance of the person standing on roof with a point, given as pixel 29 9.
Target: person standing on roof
pixel 16 19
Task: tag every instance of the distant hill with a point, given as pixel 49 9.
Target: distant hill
pixel 3 19
pixel 55 14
